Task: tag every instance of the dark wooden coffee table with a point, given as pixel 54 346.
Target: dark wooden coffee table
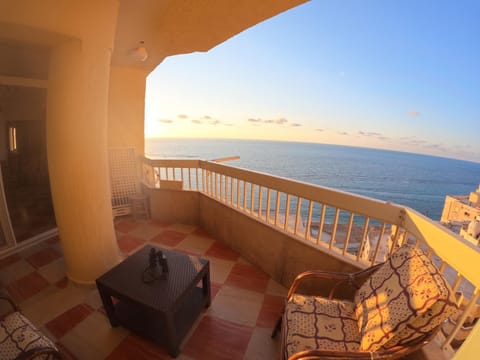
pixel 163 310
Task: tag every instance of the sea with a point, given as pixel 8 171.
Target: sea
pixel 414 180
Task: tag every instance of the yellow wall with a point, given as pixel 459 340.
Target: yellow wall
pixel 80 35
pixel 126 107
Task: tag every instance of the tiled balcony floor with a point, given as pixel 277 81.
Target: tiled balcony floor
pixel 237 325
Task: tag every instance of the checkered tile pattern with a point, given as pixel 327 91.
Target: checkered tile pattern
pixel 245 301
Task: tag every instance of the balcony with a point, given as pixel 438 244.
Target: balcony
pixel 245 301
pixel 258 231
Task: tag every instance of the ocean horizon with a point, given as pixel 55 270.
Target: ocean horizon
pixel 415 180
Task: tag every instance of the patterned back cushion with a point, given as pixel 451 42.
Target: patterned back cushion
pixel 19 336
pixel 405 298
pixel 313 322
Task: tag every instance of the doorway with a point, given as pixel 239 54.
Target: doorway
pixel 23 161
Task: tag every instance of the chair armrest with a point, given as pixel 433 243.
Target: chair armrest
pixel 10 301
pixel 351 278
pixel 316 274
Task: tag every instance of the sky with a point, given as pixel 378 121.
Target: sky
pixel 400 75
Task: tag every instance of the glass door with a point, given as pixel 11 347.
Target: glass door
pixel 27 199
pixel 6 235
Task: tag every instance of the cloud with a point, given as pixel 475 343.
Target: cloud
pixel 206 117
pixel 228 124
pixel 182 116
pixel 369 133
pixel 215 122
pixel 281 121
pixel 413 113
pixel 319 129
pixel 295 125
pixel 342 133
pixel 165 121
pixel 196 122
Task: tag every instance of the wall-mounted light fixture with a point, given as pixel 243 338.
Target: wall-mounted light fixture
pixel 140 52
pixel 12 139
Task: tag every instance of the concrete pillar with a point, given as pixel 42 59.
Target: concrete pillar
pixel 77 157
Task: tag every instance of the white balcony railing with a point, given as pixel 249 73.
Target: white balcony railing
pixel 359 230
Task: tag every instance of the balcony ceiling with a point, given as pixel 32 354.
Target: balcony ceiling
pixel 171 27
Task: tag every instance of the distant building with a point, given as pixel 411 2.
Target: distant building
pixel 462 214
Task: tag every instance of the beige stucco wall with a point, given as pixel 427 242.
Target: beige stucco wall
pixel 281 256
pixel 126 108
pixel 174 206
pixel 278 254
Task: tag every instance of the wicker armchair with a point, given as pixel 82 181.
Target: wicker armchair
pixel 396 308
pixel 21 340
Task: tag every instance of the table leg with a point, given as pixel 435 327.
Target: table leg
pixel 172 343
pixel 206 286
pixel 108 305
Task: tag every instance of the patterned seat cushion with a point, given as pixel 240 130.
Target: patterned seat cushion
pixel 405 298
pixel 18 336
pixel 313 322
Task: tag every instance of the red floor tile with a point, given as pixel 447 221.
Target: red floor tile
pixel 271 311
pixel 217 339
pixel 247 277
pixel 43 257
pixel 169 238
pixel 66 354
pixel 159 223
pixel 129 243
pixel 126 226
pixel 221 251
pixel 53 240
pixel 133 347
pixel 214 289
pixel 66 321
pixel 62 284
pixel 26 287
pixel 9 260
pixel 202 232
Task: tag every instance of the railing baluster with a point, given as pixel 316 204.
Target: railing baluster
pixel 189 178
pixel 334 228
pixel 260 200
pixel 244 195
pixel 395 239
pixel 287 213
pixel 232 200
pixel 442 267
pixel 457 282
pixel 364 238
pixel 379 241
pixel 297 215
pixel 252 196
pixel 277 208
pixel 238 193
pixel 269 198
pixel 225 186
pixel 463 317
pixel 197 186
pixel 309 220
pixel 320 223
pixel 347 235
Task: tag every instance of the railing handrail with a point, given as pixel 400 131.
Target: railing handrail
pixel 362 205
